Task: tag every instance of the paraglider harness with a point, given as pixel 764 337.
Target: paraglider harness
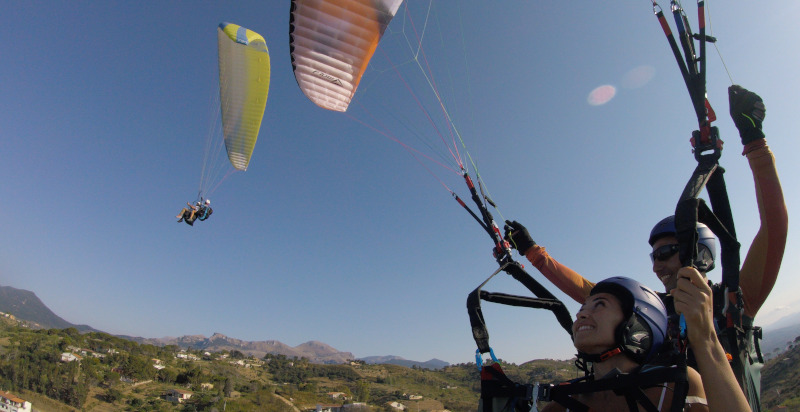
pixel 735 331
pixel 499 393
pixel 204 212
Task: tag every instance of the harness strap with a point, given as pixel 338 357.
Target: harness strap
pixel 625 384
pixel 544 300
pixel 495 384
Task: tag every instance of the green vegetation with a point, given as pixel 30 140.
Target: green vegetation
pixel 116 374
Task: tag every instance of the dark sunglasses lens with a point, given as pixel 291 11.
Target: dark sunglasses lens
pixel 664 252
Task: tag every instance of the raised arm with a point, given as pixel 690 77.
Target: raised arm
pixel 763 260
pixel 564 278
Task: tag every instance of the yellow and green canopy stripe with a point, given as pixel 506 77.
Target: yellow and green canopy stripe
pixel 244 72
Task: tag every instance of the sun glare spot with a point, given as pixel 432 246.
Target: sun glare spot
pixel 601 95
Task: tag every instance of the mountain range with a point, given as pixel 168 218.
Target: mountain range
pixel 314 351
pixel 396 360
pixel 32 312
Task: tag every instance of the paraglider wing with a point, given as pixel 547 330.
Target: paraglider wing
pixel 331 42
pixel 243 86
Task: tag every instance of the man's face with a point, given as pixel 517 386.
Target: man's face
pixel 666 268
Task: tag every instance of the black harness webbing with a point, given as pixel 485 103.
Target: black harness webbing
pixel 207 211
pixel 501 394
pixel 629 385
pixel 544 300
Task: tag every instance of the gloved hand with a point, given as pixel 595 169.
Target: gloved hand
pixel 518 236
pixel 747 111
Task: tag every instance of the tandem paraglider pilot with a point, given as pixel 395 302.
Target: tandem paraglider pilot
pixel 200 210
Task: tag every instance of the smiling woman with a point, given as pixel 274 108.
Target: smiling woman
pixel 621 330
pixel 593 332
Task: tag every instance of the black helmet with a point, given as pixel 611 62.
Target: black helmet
pixel 706 242
pixel 644 327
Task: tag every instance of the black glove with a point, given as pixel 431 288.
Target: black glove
pixel 518 236
pixel 747 112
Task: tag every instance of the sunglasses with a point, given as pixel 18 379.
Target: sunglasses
pixel 663 253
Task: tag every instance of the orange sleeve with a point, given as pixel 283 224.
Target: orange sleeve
pixel 763 261
pixel 564 278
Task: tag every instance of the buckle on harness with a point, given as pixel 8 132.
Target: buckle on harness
pixel 704 140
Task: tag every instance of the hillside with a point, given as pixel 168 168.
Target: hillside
pixel 26 305
pixel 778 340
pixel 117 374
pixel 780 379
pixel 124 373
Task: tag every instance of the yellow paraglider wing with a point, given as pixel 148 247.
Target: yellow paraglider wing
pixel 243 87
pixel 331 42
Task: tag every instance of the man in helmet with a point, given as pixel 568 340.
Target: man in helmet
pixel 664 241
pixel 760 268
pixel 622 326
pixel 205 210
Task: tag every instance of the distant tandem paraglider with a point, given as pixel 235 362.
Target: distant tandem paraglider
pixel 201 210
pixel 244 74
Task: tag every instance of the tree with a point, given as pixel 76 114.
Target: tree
pixel 362 391
pixel 167 375
pixel 72 332
pixel 228 388
pixel 138 367
pixel 111 378
pixel 112 395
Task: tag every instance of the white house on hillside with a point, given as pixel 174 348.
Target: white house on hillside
pixel 11 403
pixel 178 395
pixel 70 357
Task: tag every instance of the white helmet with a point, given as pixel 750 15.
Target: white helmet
pixel 208 201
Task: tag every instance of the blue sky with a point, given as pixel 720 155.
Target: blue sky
pixel 335 233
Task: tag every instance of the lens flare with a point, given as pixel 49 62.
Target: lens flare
pixel 601 95
pixel 638 77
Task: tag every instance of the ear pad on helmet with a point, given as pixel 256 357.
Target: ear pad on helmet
pixel 635 337
pixel 705 260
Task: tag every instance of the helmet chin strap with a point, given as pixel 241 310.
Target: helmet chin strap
pixel 600 357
